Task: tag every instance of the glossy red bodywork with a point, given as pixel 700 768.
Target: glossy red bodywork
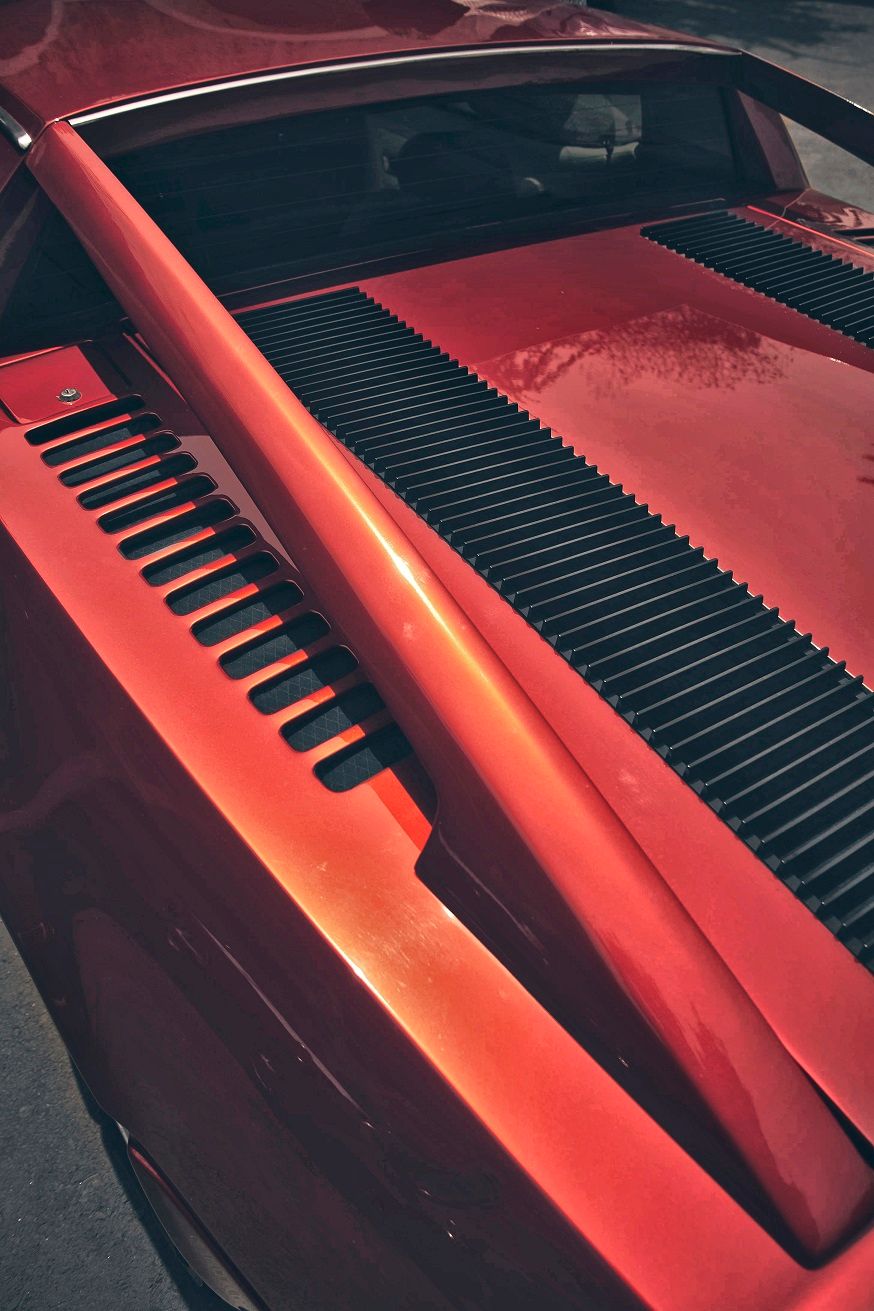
pixel 57 64
pixel 466 717
pixel 148 831
pixel 729 413
pixel 261 980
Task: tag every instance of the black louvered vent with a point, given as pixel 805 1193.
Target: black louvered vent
pixel 833 291
pixel 215 568
pixel 778 738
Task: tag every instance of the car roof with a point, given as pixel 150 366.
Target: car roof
pixel 63 57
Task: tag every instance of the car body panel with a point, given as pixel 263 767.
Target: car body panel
pixel 56 66
pixel 683 344
pixel 143 815
pixel 130 916
pixel 629 352
pixel 446 685
pixel 351 1087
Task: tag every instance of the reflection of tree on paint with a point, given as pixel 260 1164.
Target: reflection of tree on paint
pixel 266 18
pixel 402 18
pixel 865 478
pixel 838 216
pixel 481 18
pixel 679 344
pixel 27 33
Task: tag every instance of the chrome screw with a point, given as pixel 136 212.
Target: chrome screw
pixel 69 394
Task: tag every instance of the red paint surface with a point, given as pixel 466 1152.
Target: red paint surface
pixel 55 53
pixel 237 957
pixel 467 717
pixel 231 968
pixel 32 394
pixel 746 424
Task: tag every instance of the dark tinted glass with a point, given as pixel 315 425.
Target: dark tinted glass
pixel 317 195
pixel 318 191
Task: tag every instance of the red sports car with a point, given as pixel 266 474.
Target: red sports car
pixel 436 540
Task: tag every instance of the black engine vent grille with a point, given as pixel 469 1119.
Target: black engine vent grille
pixel 217 572
pixel 773 734
pixel 833 291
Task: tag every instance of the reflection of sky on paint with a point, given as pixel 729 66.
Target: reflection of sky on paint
pixel 760 451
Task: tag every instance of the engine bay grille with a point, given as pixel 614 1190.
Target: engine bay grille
pixel 774 735
pixel 218 573
pixel 833 291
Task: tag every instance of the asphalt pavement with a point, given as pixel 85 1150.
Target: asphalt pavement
pixel 832 44
pixel 74 1233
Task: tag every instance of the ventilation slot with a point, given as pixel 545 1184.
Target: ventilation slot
pixel 177 529
pixel 236 619
pixel 831 290
pixel 114 435
pixel 278 645
pixel 195 547
pixel 111 462
pixel 197 557
pixel 131 483
pixel 185 492
pixel 348 768
pixel 293 686
pixel 775 736
pixel 343 713
pixel 221 583
pixel 79 419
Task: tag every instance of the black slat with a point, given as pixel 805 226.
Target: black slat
pixel 827 288
pixel 777 738
pixel 177 529
pixel 202 553
pixel 275 645
pixel 278 693
pixel 224 582
pixel 148 447
pixel 195 512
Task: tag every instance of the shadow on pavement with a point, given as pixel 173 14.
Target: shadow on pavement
pixel 194 1296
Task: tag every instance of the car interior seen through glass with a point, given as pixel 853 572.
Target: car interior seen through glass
pixel 314 191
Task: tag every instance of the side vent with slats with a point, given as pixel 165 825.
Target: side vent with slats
pixel 215 570
pixel 833 291
pixel 761 723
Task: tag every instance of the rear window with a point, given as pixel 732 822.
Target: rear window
pixel 320 196
pixel 326 190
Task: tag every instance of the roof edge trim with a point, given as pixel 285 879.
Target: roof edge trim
pixel 351 66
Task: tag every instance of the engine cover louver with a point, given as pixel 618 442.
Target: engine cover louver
pixel 761 723
pixel 833 291
pixel 214 567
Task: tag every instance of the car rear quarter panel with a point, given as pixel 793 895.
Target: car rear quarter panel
pixel 204 1009
pixel 214 1016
